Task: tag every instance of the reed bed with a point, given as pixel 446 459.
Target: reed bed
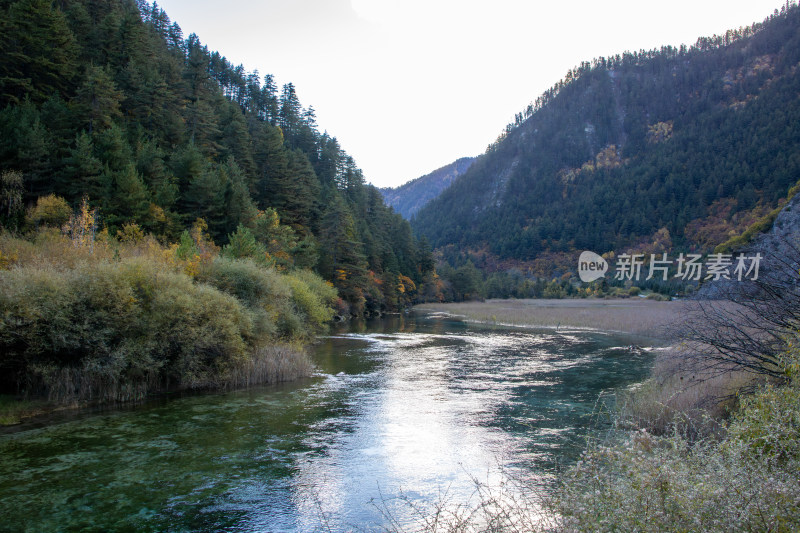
pixel 270 364
pixel 637 316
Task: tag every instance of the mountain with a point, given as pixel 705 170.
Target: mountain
pixel 109 102
pixel 676 148
pixel 410 197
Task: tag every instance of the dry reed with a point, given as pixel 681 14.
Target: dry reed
pixel 270 364
pixel 636 316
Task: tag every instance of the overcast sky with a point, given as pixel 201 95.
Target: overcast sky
pixel 408 86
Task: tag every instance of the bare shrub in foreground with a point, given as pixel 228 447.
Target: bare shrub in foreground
pixel 674 396
pixel 516 505
pixel 748 324
pixel 748 480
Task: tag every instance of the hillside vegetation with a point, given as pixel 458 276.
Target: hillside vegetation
pixel 109 101
pixel 677 148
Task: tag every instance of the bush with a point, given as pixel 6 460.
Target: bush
pixel 657 297
pixel 99 325
pixel 748 480
pixel 264 292
pixel 291 306
pixel 313 298
pixel 51 211
pixel 254 285
pixel 115 320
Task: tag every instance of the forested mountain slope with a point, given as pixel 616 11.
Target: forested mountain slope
pixel 679 147
pixel 410 197
pixel 107 100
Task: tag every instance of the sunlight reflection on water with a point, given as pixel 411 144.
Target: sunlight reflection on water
pixel 407 411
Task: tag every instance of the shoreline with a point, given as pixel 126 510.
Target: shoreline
pixel 635 317
pixel 639 317
pixel 284 364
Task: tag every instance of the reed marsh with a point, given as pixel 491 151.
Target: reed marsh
pixel 637 316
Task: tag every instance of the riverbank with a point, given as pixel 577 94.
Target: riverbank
pixel 685 452
pixel 673 385
pixel 13 410
pixel 269 365
pixel 635 316
pixel 111 321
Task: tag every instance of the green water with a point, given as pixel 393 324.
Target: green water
pixel 400 410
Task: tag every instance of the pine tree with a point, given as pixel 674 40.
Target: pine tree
pixel 38 52
pixel 236 140
pixel 98 99
pixel 272 162
pixel 242 244
pixel 295 193
pixel 239 206
pixel 112 147
pixel 27 146
pixel 129 201
pixel 204 129
pixel 342 258
pixel 11 206
pixel 84 170
pixel 290 114
pixel 205 198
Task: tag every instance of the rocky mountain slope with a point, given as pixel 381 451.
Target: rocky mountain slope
pixel 410 197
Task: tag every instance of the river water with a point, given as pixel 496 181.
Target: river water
pixel 403 413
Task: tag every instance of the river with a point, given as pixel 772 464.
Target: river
pixel 403 413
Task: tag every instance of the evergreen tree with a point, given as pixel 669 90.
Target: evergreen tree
pixel 342 258
pixel 98 99
pixel 205 198
pixel 129 200
pixel 27 146
pixel 156 132
pixel 84 170
pixel 38 52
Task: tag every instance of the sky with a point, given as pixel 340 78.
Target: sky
pixel 408 86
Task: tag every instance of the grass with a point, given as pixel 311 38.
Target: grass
pixel 635 316
pixel 745 478
pixel 675 395
pixel 270 364
pixel 13 409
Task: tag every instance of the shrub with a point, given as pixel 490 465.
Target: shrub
pixel 115 320
pixel 313 298
pixel 264 292
pixel 657 297
pixel 254 285
pixel 96 326
pixel 749 480
pixel 51 211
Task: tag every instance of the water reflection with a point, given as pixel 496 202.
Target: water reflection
pixel 401 410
